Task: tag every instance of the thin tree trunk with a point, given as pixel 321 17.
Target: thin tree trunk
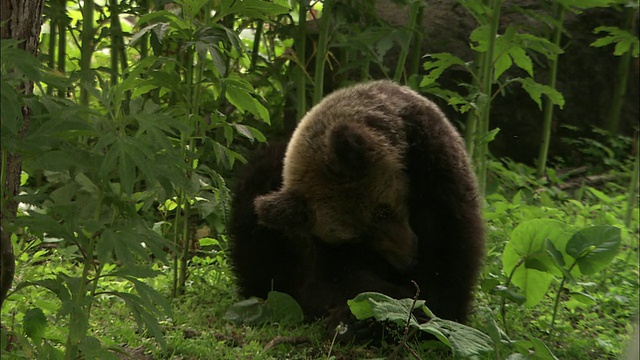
pixel 21 20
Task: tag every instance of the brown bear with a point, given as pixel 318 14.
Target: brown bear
pixel 373 191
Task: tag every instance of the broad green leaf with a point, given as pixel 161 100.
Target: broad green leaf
pixel 283 308
pixel 35 324
pixel 207 241
pixel 528 241
pixel 594 247
pixel 541 350
pixel 279 307
pixel 249 311
pixel 465 342
pixel 383 308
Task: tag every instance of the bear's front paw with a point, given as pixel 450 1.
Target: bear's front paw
pixel 343 325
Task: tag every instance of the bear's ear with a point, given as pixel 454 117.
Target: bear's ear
pixel 351 150
pixel 283 210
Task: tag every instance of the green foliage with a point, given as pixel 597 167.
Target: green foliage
pixel 464 341
pixel 277 308
pixel 624 41
pixel 109 189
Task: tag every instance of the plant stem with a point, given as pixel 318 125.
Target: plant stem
pixel 321 54
pixel 414 11
pixel 255 52
pixel 548 104
pixel 301 53
pixel 487 83
pixel 86 51
pixel 503 305
pixel 622 74
pixel 186 242
pixel 62 44
pixel 633 185
pixel 557 302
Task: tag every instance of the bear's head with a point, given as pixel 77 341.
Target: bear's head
pixel 347 185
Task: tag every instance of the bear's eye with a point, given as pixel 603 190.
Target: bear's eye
pixel 383 212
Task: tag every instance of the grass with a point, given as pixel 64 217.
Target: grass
pixel 196 329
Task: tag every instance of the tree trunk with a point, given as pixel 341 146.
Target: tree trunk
pixel 21 20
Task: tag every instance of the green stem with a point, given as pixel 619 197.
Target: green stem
pixel 255 52
pixel 301 53
pixel 503 305
pixel 51 58
pixel 321 53
pixel 62 44
pixel 556 303
pixel 414 11
pixel 186 242
pixel 487 83
pixel 176 243
pixel 114 51
pixel 633 185
pixel 622 74
pixel 548 104
pixel 86 51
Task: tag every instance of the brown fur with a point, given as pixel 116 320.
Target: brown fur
pixel 376 191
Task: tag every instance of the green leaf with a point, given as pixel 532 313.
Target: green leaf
pixel 249 311
pixel 536 90
pixel 465 342
pixel 509 294
pixel 240 97
pixel 541 351
pixel 594 247
pixel 279 307
pixel 528 241
pixel 283 308
pixel 624 41
pixel 521 59
pixel 144 317
pixel 383 308
pixel 34 324
pixel 442 61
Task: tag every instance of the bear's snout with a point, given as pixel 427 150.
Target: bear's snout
pixel 398 245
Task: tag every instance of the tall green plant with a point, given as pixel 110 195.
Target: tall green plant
pixel 205 71
pixel 626 46
pixel 496 53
